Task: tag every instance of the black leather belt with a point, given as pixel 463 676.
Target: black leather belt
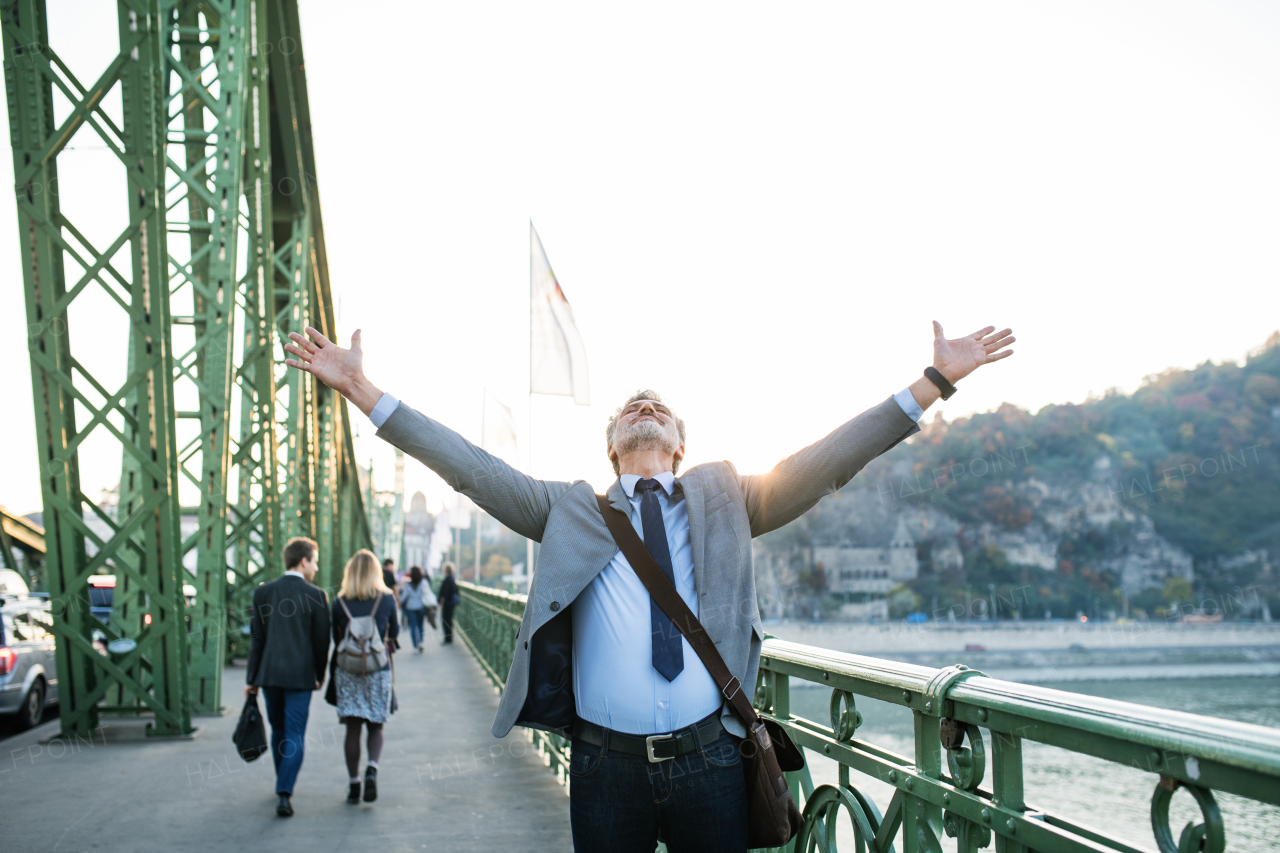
pixel 660 747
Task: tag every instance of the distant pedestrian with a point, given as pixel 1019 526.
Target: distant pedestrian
pixel 417 600
pixel 289 623
pixel 389 578
pixel 449 599
pixel 365 628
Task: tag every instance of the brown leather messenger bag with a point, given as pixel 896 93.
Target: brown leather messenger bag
pixel 767 751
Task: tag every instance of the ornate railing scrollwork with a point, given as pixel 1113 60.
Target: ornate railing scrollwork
pixel 1207 837
pixel 968 764
pixel 821 814
pixel 969 836
pixel 845 716
pixel 763 699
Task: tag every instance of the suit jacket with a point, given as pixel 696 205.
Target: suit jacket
pixel 290 626
pixel 726 509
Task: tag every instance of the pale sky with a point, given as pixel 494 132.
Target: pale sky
pixel 754 210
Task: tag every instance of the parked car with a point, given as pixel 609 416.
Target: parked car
pixel 12 584
pixel 28 664
pixel 102 593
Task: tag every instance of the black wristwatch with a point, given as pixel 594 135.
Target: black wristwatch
pixel 931 373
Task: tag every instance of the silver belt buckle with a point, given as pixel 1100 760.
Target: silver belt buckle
pixel 648 746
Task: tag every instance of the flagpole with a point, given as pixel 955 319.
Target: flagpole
pixel 528 543
pixel 529 439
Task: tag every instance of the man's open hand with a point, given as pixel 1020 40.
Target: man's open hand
pixel 956 359
pixel 340 369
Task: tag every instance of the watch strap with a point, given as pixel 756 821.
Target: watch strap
pixel 933 375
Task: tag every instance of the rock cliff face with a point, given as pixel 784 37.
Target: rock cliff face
pixel 840 559
pixel 851 534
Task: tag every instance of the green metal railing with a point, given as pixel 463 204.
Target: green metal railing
pixel 963 721
pixel 487 621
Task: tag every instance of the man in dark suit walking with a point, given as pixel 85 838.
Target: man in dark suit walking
pixel 288 657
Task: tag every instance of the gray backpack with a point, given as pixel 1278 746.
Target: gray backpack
pixel 362 650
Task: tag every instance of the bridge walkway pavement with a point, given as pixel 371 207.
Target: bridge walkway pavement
pixel 445 783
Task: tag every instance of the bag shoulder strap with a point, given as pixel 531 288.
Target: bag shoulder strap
pixel 373 614
pixel 668 599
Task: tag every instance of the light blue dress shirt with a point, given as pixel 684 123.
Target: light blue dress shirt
pixel 614 682
pixel 385 406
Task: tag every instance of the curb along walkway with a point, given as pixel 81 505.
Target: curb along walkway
pixel 444 782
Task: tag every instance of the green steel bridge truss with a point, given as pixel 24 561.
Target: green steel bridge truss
pixel 964 723
pixel 220 254
pixel 225 454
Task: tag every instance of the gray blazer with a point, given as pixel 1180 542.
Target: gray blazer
pixel 726 509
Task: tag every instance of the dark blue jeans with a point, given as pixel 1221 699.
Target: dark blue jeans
pixel 620 803
pixel 415 618
pixel 446 621
pixel 287 711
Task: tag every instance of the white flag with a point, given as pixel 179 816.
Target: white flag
pixel 557 357
pixel 499 430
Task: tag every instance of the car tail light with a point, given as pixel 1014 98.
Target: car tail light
pixel 8 657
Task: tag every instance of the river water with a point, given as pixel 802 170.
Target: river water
pixel 1112 798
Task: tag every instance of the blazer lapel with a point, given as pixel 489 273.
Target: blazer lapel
pixel 691 485
pixel 618 498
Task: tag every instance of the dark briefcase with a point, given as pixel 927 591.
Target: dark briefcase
pixel 250 736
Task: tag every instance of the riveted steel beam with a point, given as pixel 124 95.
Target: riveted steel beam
pixel 215 140
pixel 254 528
pixel 141 544
pixel 319 487
pixel 205 55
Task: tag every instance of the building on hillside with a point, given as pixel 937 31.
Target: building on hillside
pixel 864 576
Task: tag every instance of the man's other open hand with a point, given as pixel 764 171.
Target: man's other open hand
pixel 956 359
pixel 341 369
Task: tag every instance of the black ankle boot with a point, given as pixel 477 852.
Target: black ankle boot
pixel 284 808
pixel 353 794
pixel 370 784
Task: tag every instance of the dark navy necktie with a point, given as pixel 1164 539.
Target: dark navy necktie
pixel 668 654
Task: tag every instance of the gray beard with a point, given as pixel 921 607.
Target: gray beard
pixel 647 435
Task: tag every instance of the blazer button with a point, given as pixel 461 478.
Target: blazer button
pixel 526 644
pixel 555 605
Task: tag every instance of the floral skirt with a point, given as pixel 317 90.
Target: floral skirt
pixel 365 696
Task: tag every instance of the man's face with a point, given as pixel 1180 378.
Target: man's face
pixel 646 425
pixel 311 566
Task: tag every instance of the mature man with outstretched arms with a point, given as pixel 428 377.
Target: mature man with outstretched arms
pixel 655 744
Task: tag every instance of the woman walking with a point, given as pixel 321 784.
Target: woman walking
pixel 364 629
pixel 417 599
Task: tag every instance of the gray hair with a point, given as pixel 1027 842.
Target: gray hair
pixel 613 424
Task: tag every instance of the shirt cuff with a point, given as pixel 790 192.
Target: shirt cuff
pixel 903 398
pixel 388 404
